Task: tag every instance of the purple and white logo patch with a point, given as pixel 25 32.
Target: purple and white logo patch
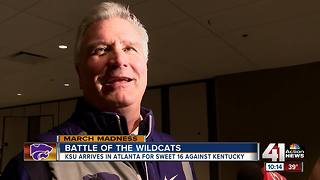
pixel 40 151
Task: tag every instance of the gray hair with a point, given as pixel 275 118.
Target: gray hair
pixel 108 10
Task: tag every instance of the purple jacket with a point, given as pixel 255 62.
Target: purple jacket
pixel 93 122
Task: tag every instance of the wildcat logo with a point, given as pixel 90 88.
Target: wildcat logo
pixel 40 151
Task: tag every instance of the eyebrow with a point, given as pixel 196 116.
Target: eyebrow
pixel 102 42
pixel 130 43
pixel 96 43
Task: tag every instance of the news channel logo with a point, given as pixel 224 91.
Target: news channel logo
pixel 35 151
pixel 279 152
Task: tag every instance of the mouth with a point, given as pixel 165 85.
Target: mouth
pixel 118 79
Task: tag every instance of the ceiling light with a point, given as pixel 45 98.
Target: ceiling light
pixel 18 94
pixel 66 84
pixel 63 46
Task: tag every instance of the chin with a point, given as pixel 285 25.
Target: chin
pixel 118 101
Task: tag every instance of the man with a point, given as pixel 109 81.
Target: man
pixel 111 57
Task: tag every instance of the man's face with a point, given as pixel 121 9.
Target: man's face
pixel 113 68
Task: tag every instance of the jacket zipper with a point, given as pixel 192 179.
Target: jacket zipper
pixel 149 132
pixel 147 174
pixel 119 124
pixel 121 132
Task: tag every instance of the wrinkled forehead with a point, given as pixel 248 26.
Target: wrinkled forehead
pixel 109 30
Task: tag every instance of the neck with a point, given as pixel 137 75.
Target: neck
pixel 132 116
pixel 131 113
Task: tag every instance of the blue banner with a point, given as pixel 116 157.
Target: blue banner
pixel 160 147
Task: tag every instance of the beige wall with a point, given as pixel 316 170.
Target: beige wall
pixel 152 100
pixel 16 123
pixel 66 109
pixel 15 132
pixel 49 110
pixel 188 112
pixel 280 105
pixel 188 118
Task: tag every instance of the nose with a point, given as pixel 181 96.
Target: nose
pixel 118 58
